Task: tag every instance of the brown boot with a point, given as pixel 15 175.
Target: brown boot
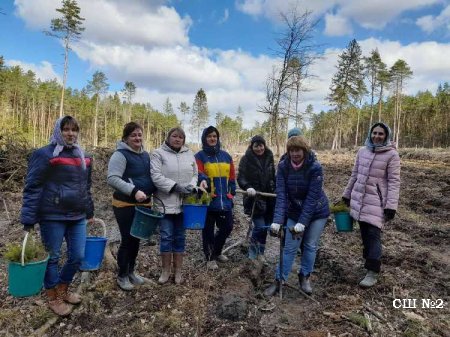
pixel 66 295
pixel 56 303
pixel 166 259
pixel 177 264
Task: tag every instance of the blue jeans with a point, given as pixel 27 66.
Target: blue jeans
pixel 173 234
pixel 52 234
pixel 258 239
pixel 311 238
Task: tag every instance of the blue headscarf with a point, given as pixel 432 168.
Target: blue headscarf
pixel 207 148
pixel 58 140
pixel 370 145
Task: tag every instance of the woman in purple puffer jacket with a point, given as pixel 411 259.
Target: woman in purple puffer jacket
pixel 372 193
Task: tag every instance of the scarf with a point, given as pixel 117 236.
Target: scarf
pixel 58 140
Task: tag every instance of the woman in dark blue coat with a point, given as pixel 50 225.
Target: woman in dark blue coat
pixel 303 207
pixel 57 195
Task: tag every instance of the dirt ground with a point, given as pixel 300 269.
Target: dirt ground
pixel 230 301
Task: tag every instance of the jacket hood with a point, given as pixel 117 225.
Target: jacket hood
pixel 121 145
pixel 210 149
pixel 167 148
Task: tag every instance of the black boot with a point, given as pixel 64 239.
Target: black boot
pixel 273 289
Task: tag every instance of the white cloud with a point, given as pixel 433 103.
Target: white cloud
pixel 43 71
pixel 369 14
pixel 431 23
pixel 336 25
pixel 111 22
pixel 225 17
pixel 251 7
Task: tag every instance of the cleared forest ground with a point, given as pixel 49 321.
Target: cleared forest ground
pixel 229 302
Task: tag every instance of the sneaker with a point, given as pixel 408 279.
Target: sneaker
pixel 212 265
pixel 305 284
pixel 135 279
pixel 222 258
pixel 369 280
pixel 124 283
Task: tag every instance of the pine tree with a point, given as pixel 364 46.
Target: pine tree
pixel 97 86
pixel 67 28
pixel 399 73
pixel 128 92
pixel 200 113
pixel 347 86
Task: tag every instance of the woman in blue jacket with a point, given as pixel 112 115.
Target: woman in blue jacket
pixel 303 206
pixel 57 195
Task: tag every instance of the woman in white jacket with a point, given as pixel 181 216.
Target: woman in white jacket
pixel 174 173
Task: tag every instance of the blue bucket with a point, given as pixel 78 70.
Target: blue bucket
pixel 94 251
pixel 145 222
pixel 194 216
pixel 344 223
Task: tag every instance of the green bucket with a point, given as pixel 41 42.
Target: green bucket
pixel 26 279
pixel 344 222
pixel 145 221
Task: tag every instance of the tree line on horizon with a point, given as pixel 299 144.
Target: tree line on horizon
pixel 363 90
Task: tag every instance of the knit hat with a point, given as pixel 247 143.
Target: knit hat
pixel 294 132
pixel 257 139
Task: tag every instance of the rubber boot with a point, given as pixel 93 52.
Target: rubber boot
pixel 136 279
pixel 369 280
pixel 305 283
pixel 124 283
pixel 166 259
pixel 273 289
pixel 57 304
pixel 63 291
pixel 177 266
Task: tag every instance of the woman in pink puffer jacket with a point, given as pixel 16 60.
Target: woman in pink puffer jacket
pixel 372 193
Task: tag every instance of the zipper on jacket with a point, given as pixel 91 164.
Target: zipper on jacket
pixel 379 195
pixel 220 179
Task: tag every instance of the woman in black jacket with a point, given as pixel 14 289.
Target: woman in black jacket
pixel 257 173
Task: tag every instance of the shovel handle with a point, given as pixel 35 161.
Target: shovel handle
pixel 263 194
pixel 24 244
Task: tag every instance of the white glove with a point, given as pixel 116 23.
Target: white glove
pixel 203 185
pixel 275 228
pixel 299 228
pixel 251 192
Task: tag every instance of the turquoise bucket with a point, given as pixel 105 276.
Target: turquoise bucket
pixel 145 221
pixel 26 279
pixel 344 223
pixel 194 216
pixel 95 250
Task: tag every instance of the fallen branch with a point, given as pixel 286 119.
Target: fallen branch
pixel 302 292
pixel 375 313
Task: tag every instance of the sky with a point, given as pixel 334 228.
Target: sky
pixel 172 48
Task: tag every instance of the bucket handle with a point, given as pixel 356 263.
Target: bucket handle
pixel 24 244
pixel 164 207
pixel 101 222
